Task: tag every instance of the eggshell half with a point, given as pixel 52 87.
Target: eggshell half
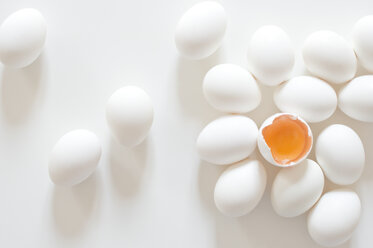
pixel 264 148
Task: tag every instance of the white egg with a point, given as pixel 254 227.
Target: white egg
pixel 271 55
pixel 363 41
pixel 201 30
pixel 296 189
pixel 22 37
pixel 329 56
pixel 334 218
pixel 129 113
pixel 240 188
pixel 285 139
pixel 298 96
pixel 356 100
pixel 340 153
pixel 227 139
pixel 230 88
pixel 74 157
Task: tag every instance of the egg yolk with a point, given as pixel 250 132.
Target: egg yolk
pixel 288 139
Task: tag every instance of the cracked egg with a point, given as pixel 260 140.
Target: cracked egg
pixel 285 139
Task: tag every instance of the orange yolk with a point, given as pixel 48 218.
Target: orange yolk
pixel 287 138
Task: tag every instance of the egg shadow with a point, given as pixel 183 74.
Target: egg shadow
pixel 363 129
pixel 20 90
pixel 127 166
pixel 266 107
pixel 189 76
pixel 260 228
pixel 361 71
pixel 73 206
pixel 264 228
pixel 208 174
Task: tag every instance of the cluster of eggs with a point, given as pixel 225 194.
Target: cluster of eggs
pixel 129 111
pixel 285 139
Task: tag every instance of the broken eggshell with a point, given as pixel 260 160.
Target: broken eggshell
pixel 300 125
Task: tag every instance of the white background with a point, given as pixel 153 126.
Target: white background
pixel 158 194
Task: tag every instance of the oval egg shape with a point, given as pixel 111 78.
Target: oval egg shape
pixel 299 95
pixel 271 55
pixel 340 153
pixel 129 114
pixel 356 100
pixel 285 139
pixel 227 139
pixel 363 41
pixel 74 157
pixel 22 37
pixel 230 88
pixel 201 30
pixel 334 218
pixel 296 189
pixel 240 188
pixel 329 56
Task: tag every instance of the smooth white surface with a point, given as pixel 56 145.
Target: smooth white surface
pixel 334 218
pixel 311 98
pixel 231 88
pixel 129 114
pixel 74 157
pixel 329 56
pixel 201 30
pixel 355 99
pixel 363 41
pixel 22 37
pixel 270 55
pixel 159 194
pixel 341 154
pixel 227 140
pixel 296 189
pixel 240 188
